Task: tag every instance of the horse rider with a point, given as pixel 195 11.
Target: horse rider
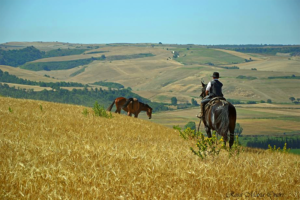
pixel 213 89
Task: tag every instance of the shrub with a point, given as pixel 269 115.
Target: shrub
pixel 100 111
pixel 191 125
pixel 238 129
pixel 207 146
pixel 188 133
pixel 283 150
pixel 85 112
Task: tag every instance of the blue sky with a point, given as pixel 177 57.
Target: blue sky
pixel 138 21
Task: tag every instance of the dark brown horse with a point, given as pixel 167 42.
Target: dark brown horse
pixel 131 106
pixel 220 117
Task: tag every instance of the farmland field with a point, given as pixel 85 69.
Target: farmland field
pixel 161 76
pixel 264 119
pixel 204 56
pixel 55 151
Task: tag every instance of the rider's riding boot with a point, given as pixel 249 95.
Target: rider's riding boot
pixel 201 111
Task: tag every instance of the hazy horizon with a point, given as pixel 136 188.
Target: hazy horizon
pixel 170 22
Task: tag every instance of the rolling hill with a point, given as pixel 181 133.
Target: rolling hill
pixel 161 76
pixel 51 150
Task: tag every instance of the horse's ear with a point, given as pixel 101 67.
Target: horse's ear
pixel 203 85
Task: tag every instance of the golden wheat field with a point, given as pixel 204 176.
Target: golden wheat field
pixel 54 151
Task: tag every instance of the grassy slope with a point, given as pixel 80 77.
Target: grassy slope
pixel 206 55
pixel 57 152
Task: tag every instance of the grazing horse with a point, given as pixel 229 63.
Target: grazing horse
pixel 131 106
pixel 221 117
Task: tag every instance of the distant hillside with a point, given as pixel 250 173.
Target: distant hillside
pixel 65 65
pixel 77 96
pixel 19 57
pixel 205 56
pixel 8 78
pixel 161 71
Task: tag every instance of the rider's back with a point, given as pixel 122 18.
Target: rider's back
pixel 216 89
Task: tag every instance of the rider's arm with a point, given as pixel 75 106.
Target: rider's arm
pixel 208 88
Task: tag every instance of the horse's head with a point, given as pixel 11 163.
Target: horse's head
pixel 149 111
pixel 203 90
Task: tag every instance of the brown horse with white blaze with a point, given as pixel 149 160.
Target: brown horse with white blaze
pixel 131 106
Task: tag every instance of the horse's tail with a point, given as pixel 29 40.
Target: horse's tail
pixel 110 107
pixel 128 102
pixel 222 120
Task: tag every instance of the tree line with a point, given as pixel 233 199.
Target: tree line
pixel 19 57
pixel 8 78
pixel 293 143
pixel 292 50
pixel 284 77
pixel 86 97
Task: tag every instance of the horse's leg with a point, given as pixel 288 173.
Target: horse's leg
pixel 231 141
pixel 208 132
pixel 136 115
pixel 118 107
pixel 232 121
pixel 225 138
pixel 129 114
pixel 231 130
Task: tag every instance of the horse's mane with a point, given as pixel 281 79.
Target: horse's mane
pixel 146 105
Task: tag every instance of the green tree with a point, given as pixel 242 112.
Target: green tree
pixel 269 101
pixel 292 99
pixel 194 102
pixel 238 129
pixel 191 125
pixel 174 101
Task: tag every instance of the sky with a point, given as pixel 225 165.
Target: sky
pixel 205 22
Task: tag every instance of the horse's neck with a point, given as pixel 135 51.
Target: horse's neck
pixel 143 107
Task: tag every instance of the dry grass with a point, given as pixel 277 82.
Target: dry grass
pixel 58 153
pixel 274 64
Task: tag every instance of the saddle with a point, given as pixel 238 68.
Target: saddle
pixel 214 101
